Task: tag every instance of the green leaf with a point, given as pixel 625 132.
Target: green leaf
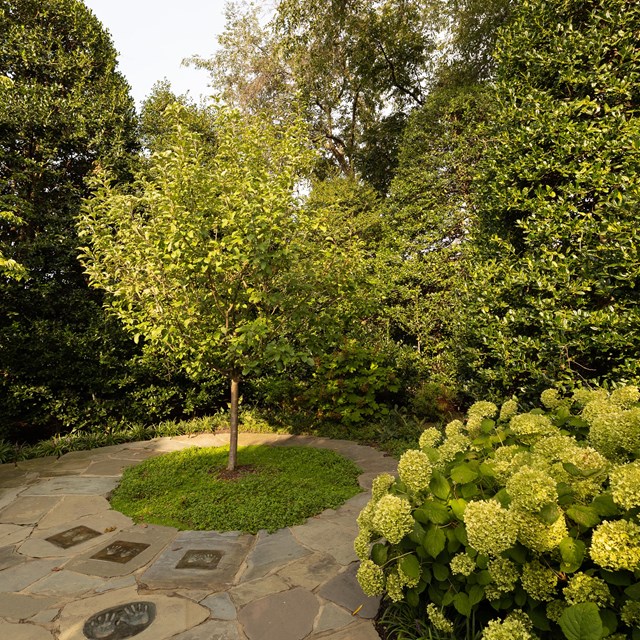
pixel 609 621
pixel 462 604
pixel 633 592
pixel 549 513
pixel 421 516
pixel 410 566
pixel 617 578
pixel 572 469
pixel 476 594
pixel 584 516
pixel 379 553
pixel 463 473
pixel 582 622
pixel 412 597
pixel 484 578
pixel 434 541
pixel 572 553
pixel 458 506
pixel 439 486
pixel 604 505
pixel 436 512
pixel 440 571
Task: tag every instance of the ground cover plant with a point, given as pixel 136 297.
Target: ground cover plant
pixel 516 525
pixel 271 488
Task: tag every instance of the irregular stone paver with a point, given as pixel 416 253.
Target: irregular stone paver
pixel 27 510
pixel 65 583
pixel 173 615
pixel 270 551
pixel 48 615
pixel 212 630
pixel 154 536
pixel 165 572
pixel 333 617
pixel 361 631
pixel 70 508
pixel 315 533
pixel 116 583
pixel 24 631
pixel 108 467
pixel 72 486
pixel 284 616
pixel 8 495
pixel 11 476
pixel 220 606
pixel 10 558
pixel 245 593
pixel 13 534
pixel 20 577
pixel 311 571
pixel 18 606
pixel 345 591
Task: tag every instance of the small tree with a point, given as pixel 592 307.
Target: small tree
pixel 211 257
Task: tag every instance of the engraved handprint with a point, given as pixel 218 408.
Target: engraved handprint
pixel 136 614
pixel 104 625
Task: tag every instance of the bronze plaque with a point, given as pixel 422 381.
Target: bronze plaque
pixel 200 559
pixel 120 622
pixel 120 551
pixel 72 537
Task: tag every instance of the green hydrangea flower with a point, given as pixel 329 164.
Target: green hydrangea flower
pixel 529 427
pixel 555 609
pixel 616 435
pixel 414 469
pixel 361 544
pixel 453 428
pixel 392 518
pixel 406 580
pixel 451 447
pixel 539 581
pixel 394 587
pixel 371 578
pixel 482 409
pixel 508 410
pixel 582 397
pixel 550 398
pixel 381 485
pixel 625 485
pixel 508 459
pixel 538 536
pixel 508 629
pixel 490 528
pixel 531 489
pixel 585 588
pixel 625 397
pixel 630 613
pixel 616 545
pixel 429 438
pixel 462 564
pixel 438 619
pixel 504 575
pixel 365 517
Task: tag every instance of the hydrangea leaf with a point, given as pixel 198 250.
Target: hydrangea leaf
pixel 436 512
pixel 410 566
pixel 440 571
pixel 633 591
pixel 609 621
pixel 604 505
pixel 584 516
pixel 463 474
pixel 462 604
pixel 484 578
pixel 476 594
pixel 582 622
pixel 572 552
pixel 616 578
pixel 549 513
pixel 434 541
pixel 379 553
pixel 412 597
pixel 458 506
pixel 439 486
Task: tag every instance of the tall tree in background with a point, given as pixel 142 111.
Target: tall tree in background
pixel 63 107
pixel 358 66
pixel 212 258
pixel 556 273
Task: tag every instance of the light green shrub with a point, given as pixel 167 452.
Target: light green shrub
pixel 524 524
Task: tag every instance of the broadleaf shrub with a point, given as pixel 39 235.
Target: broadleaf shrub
pixel 526 524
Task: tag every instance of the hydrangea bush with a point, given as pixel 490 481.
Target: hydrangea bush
pixel 526 523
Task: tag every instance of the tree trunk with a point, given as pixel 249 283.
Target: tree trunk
pixel 233 436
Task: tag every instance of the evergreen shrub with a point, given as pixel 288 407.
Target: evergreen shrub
pixel 523 524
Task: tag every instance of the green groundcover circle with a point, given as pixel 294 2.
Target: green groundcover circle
pixel 273 487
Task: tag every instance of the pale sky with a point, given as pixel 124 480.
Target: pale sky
pixel 152 38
